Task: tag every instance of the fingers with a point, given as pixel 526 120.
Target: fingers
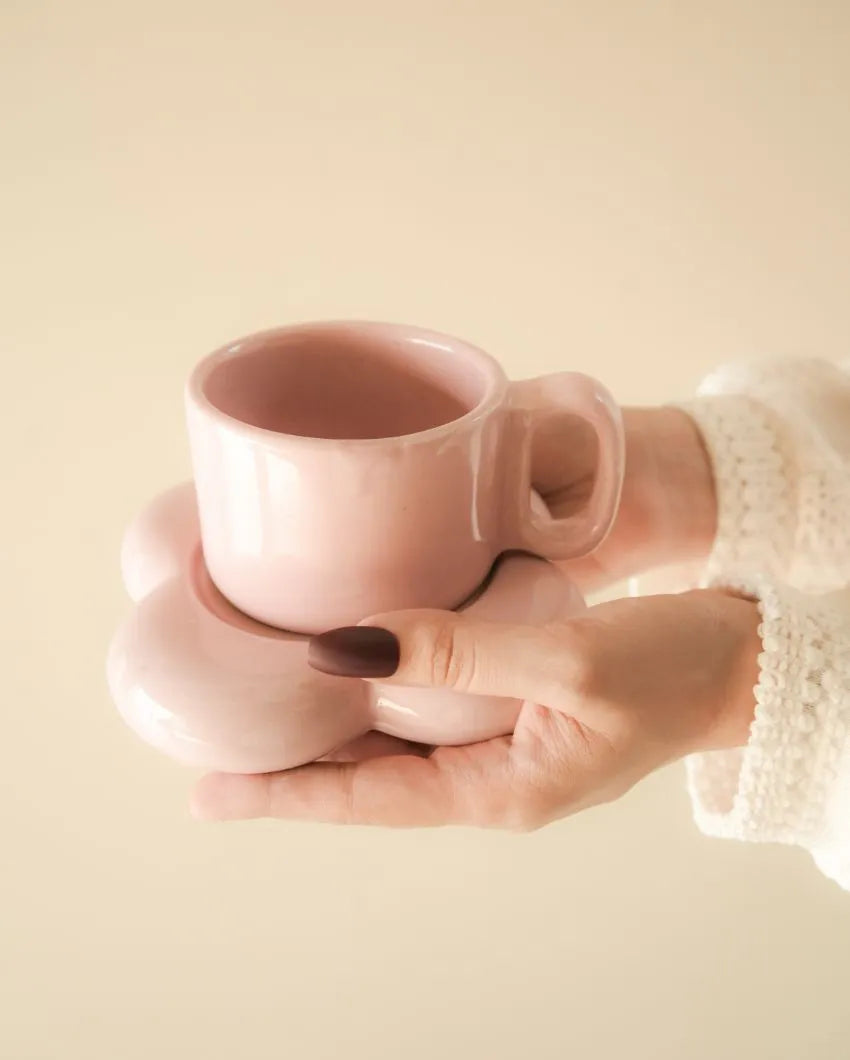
pixel 456 785
pixel 442 650
pixel 376 745
pixel 564 458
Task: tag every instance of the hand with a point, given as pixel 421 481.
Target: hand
pixel 608 698
pixel 668 509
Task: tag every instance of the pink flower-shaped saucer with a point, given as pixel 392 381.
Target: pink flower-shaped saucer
pixel 206 684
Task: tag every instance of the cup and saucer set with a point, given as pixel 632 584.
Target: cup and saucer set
pixel 342 470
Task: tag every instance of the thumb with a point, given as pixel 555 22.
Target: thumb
pixel 440 649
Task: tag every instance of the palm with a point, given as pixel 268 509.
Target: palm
pixel 539 770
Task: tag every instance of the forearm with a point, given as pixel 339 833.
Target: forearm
pixel 790 783
pixel 669 494
pixel 777 435
pixel 752 475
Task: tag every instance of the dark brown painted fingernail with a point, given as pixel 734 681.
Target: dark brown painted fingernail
pixel 355 651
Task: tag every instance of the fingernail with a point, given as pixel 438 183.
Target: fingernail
pixel 355 651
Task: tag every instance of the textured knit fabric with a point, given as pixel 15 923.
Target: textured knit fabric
pixel 778 434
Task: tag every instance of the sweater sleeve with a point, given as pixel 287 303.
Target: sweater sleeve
pixel 778 435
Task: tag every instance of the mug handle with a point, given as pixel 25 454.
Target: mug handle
pixel 532 402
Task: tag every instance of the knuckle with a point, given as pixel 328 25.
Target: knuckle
pixel 450 658
pixel 525 812
pixel 523 818
pixel 348 799
pixel 626 729
pixel 575 668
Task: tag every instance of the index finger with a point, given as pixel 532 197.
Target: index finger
pixel 455 785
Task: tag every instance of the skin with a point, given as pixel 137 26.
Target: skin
pixel 607 697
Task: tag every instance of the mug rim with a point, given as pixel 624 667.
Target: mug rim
pixel 495 381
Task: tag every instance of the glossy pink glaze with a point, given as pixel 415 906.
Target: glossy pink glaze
pixel 348 469
pixel 208 685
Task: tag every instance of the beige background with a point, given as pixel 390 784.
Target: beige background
pixel 638 190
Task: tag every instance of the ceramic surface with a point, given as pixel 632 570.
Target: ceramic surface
pixel 347 469
pixel 206 684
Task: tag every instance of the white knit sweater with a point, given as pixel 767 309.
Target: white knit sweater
pixel 778 433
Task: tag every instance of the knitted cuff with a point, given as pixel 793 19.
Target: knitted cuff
pixel 754 479
pixel 776 789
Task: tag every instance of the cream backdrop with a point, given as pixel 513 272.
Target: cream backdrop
pixel 637 190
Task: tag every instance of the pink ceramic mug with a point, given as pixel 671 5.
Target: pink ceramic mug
pixel 345 469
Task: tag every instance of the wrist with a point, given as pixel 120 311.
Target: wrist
pixel 669 488
pixel 739 618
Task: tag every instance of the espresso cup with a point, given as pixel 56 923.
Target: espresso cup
pixel 347 469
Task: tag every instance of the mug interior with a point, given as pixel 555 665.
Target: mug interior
pixel 344 382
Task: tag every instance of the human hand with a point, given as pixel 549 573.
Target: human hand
pixel 667 514
pixel 607 698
